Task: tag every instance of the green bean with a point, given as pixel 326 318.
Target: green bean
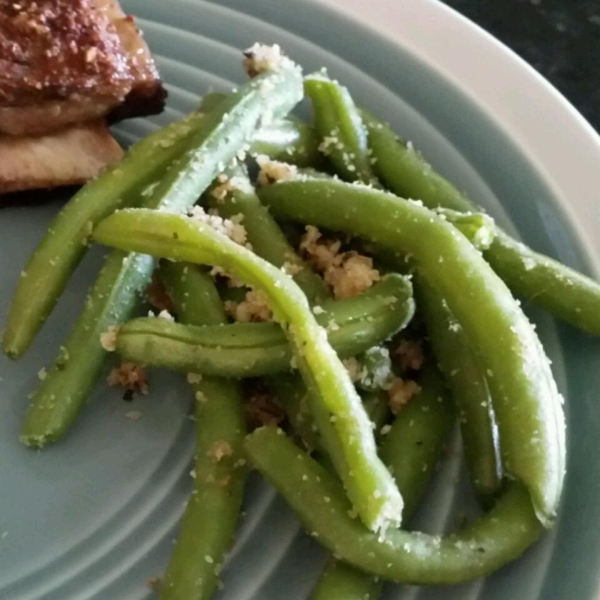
pixel 212 100
pixel 62 394
pixel 377 406
pixel 527 403
pixel 66 241
pixel 293 398
pixel 334 401
pixel 467 381
pixel 318 500
pixel 338 122
pixel 56 257
pixel 264 235
pixel 411 449
pixel 210 516
pixel 414 444
pixel 403 170
pixel 544 282
pixel 340 581
pixel 191 295
pixel 290 140
pixel 257 349
pixel 479 228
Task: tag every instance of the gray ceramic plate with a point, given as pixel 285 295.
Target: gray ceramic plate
pixel 95 517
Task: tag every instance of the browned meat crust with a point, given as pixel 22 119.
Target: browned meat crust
pixel 67 61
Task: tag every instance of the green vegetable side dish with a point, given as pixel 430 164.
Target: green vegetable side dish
pixel 336 406
pixel 318 500
pixel 528 406
pixel 209 521
pixel 256 349
pixel 66 241
pixel 412 447
pixel 68 383
pixel 536 278
pixel 366 468
pixel 264 234
pixel 222 132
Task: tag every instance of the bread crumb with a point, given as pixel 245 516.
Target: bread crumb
pixel 130 376
pixel 109 338
pixel 91 54
pixel 232 282
pixel 165 314
pixel 401 392
pixel 254 308
pixel 262 409
pixel 42 374
pixel 219 450
pixel 354 368
pixel 410 355
pixel 260 58
pixel 377 371
pixel 353 277
pixel 332 325
pixel 291 268
pixel 272 171
pixel 329 141
pixel 223 188
pixel 193 378
pixel 133 415
pixel 234 231
pixel 347 273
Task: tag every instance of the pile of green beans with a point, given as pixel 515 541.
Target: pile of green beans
pixel 363 470
pixel 255 349
pixel 412 448
pixel 208 524
pixel 336 406
pixel 218 138
pixel 416 558
pixel 544 282
pixel 527 403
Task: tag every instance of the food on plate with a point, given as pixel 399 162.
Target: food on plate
pixel 71 61
pixel 66 157
pixel 66 65
pixel 370 296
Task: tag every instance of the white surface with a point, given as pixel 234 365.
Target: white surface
pixel 561 144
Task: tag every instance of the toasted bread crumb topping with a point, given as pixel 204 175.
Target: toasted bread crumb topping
pixel 347 273
pixel 130 376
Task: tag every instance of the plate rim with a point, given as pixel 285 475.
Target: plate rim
pixel 567 164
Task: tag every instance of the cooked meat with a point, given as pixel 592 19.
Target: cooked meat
pixel 70 156
pixel 69 61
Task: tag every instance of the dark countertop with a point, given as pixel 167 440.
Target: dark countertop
pixel 560 38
